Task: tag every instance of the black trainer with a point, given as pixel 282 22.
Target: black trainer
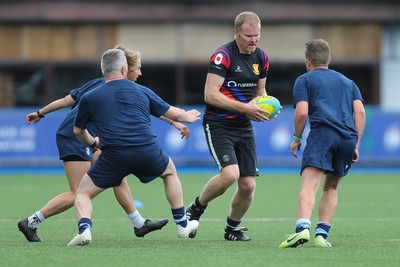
pixel 193 213
pixel 236 234
pixel 150 226
pixel 29 233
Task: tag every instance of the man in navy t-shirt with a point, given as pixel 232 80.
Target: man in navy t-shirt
pixel 120 110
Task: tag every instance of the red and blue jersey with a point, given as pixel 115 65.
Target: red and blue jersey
pixel 241 73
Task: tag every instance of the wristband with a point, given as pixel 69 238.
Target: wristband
pixel 295 138
pixel 39 114
pixel 94 144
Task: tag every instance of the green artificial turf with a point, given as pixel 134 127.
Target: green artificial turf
pixel 364 233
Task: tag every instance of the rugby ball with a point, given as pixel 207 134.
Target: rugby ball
pixel 268 103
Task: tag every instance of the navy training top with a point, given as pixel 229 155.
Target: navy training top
pixel 330 97
pixel 120 110
pixel 66 127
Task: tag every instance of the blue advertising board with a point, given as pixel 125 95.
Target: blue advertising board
pixel 34 145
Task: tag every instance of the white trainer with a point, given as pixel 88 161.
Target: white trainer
pixel 82 239
pixel 183 232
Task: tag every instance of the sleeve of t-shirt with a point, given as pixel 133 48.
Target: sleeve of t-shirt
pixel 219 62
pixel 74 93
pixel 300 92
pixel 158 106
pixel 83 116
pixel 356 93
pixel 79 92
pixel 264 64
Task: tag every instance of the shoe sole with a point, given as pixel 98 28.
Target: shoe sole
pixel 237 240
pixel 164 223
pixel 302 239
pixel 81 243
pixel 322 244
pixel 193 234
pixel 299 242
pixel 85 240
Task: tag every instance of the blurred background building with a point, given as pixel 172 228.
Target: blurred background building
pixel 48 48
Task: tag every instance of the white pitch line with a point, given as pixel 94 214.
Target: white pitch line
pixel 205 219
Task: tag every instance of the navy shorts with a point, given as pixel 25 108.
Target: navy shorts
pixel 116 163
pixel 72 148
pixel 233 145
pixel 326 149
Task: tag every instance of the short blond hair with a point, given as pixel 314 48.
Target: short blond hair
pixel 243 17
pixel 132 56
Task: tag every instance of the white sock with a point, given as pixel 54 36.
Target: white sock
pixel 136 219
pixel 35 219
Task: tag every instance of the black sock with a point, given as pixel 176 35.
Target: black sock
pixel 199 205
pixel 231 223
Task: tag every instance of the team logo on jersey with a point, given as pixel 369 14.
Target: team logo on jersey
pixel 255 69
pixel 218 59
pixel 238 69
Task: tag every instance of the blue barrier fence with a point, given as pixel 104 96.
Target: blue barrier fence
pixel 34 145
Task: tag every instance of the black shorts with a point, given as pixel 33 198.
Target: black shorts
pixel 232 145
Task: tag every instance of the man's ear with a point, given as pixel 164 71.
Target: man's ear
pixel 124 71
pixel 235 33
pixel 307 62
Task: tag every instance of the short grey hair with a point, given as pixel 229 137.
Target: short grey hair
pixel 112 61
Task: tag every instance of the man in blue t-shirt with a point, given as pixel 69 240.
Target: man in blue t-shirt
pixel 334 107
pixel 77 158
pixel 120 111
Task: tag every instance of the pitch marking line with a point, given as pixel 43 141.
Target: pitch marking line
pixel 207 220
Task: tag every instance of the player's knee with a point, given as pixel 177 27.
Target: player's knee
pixel 247 186
pixel 227 181
pixel 229 176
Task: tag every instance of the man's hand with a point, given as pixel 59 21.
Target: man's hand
pixel 32 117
pixel 185 132
pixel 356 156
pixel 255 111
pixel 293 145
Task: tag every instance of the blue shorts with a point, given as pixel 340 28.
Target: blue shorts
pixel 327 150
pixel 68 147
pixel 116 163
